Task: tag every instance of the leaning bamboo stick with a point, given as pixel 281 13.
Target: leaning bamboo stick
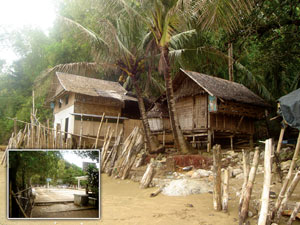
pixel 288 194
pixel 287 180
pixel 280 138
pixel 18 203
pixel 99 130
pixel 248 191
pixel 294 213
pixel 267 182
pixel 217 196
pixel 117 125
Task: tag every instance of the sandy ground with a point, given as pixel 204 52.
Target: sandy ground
pixel 55 194
pixel 123 202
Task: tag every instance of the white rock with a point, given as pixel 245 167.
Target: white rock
pixel 240 176
pixel 285 165
pixel 237 171
pixel 201 173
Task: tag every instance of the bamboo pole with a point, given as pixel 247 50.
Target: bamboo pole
pixel 287 179
pixel 280 139
pixel 18 203
pixel 288 194
pixel 99 130
pixel 217 194
pixel 225 191
pixel 294 213
pixel 267 182
pixel 80 134
pixel 248 191
pixel 117 125
pixel 155 193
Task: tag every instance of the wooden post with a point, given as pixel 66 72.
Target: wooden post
pixel 248 191
pixel 287 179
pixel 280 138
pixel 288 194
pixel 116 132
pixel 217 195
pixel 15 126
pixel 48 134
pixel 231 142
pixel 148 176
pixel 225 191
pixel 99 130
pixel 57 136
pixel 209 141
pixel 294 213
pixel 267 182
pixel 246 169
pixel 81 128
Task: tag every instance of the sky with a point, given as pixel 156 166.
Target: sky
pixel 15 14
pixel 71 157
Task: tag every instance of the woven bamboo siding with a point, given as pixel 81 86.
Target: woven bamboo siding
pixel 156 124
pixel 229 123
pixel 184 108
pixel 200 112
pixel 86 108
pixel 90 128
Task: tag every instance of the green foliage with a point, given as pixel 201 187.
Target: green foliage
pixel 93 180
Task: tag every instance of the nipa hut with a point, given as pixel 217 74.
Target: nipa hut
pixel 79 102
pixel 208 108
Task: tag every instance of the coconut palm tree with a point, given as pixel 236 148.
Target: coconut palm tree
pixel 168 21
pixel 119 46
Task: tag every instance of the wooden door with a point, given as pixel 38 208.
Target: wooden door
pixel 200 111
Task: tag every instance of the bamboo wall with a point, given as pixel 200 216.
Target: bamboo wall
pixel 192 112
pixel 230 123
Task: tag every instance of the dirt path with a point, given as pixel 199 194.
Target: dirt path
pixel 55 194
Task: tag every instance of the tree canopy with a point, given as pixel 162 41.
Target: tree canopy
pixel 264 35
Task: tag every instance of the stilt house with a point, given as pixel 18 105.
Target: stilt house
pixel 208 108
pixel 79 102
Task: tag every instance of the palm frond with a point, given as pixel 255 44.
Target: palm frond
pixel 226 14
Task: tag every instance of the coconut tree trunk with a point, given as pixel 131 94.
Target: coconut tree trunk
pixel 150 138
pixel 178 136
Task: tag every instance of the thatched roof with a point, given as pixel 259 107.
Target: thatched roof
pixel 224 89
pixel 91 87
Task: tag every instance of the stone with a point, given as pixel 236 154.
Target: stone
pixel 285 165
pixel 272 195
pixel 236 171
pixel 240 176
pixel 250 214
pixel 190 173
pixel 201 173
pixel 232 154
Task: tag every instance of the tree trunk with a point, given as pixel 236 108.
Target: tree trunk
pixel 178 136
pixel 151 139
pixel 230 62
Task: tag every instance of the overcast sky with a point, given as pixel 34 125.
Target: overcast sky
pixel 71 157
pixel 15 14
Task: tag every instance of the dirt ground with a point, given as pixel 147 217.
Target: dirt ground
pixel 123 202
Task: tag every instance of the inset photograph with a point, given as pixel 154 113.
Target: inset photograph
pixel 53 184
